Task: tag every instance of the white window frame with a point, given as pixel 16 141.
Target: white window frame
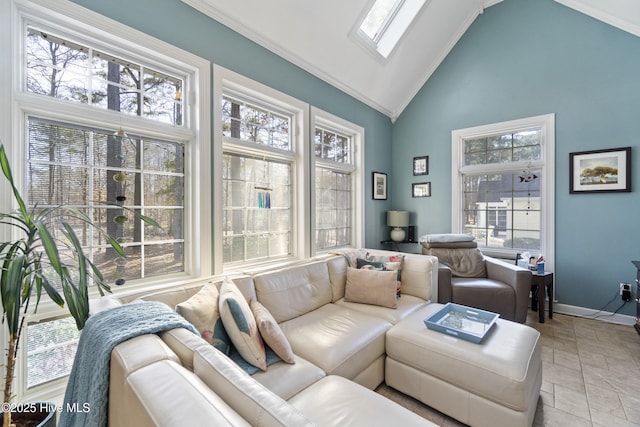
pixel 395 26
pixel 546 123
pixel 66 18
pixel 228 81
pixel 327 120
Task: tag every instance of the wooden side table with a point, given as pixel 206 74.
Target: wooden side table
pixel 541 287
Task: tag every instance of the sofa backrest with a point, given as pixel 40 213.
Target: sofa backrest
pixel 337 266
pixel 294 291
pixel 252 400
pixel 419 274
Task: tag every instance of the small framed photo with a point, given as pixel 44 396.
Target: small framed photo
pixel 421 189
pixel 421 165
pixel 379 185
pixel 600 171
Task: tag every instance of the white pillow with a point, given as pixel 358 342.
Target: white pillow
pixel 201 310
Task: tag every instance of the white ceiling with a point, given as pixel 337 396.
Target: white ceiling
pixel 318 36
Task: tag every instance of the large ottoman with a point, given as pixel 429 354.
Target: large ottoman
pixel 494 383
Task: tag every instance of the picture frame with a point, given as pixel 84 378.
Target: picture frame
pixel 421 165
pixel 379 187
pixel 421 189
pixel 600 171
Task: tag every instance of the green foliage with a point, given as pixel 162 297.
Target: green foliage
pixel 23 275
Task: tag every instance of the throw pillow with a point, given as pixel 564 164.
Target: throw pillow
pixel 369 286
pixel 384 265
pixel 201 310
pixel 241 325
pixel 390 262
pixel 352 255
pixel 271 332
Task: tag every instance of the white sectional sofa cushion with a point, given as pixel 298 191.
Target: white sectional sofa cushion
pixel 249 398
pixel 335 401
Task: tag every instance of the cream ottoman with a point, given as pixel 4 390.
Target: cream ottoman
pixel 494 383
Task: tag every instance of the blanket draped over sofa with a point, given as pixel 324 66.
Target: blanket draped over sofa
pixel 86 398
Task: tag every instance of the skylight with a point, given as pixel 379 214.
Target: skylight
pixel 387 21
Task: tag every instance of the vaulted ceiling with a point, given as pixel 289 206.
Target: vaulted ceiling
pixel 319 36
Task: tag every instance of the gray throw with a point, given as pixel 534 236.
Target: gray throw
pixel 86 398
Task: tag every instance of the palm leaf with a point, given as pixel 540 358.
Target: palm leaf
pixel 50 247
pixel 12 277
pixel 6 170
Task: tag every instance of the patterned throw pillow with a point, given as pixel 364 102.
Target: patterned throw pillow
pixel 352 255
pixel 241 325
pixel 271 332
pixel 201 310
pixel 391 262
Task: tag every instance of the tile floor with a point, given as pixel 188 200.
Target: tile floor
pixel 590 377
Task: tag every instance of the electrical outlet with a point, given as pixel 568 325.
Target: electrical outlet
pixel 625 291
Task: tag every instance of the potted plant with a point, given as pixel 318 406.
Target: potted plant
pixel 32 263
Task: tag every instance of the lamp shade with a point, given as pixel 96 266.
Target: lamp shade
pixel 397 218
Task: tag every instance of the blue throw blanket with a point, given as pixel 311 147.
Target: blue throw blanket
pixel 87 395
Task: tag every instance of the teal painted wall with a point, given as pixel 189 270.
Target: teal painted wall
pixel 524 58
pixel 180 25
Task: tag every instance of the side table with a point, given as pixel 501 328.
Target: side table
pixel 395 246
pixel 541 287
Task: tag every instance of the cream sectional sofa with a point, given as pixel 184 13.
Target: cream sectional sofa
pixel 343 350
pixel 177 378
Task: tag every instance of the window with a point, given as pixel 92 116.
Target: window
pixel 100 123
pixel 385 23
pixel 261 149
pixel 74 72
pixel 288 176
pixel 51 348
pixel 337 174
pixel 88 168
pixel 503 186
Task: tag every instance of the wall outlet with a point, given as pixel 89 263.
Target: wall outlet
pixel 625 291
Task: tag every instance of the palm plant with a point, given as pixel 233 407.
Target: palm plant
pixel 32 263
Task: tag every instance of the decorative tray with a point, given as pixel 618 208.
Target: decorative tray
pixel 470 324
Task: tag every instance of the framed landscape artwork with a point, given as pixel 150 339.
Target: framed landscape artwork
pixel 600 171
pixel 379 185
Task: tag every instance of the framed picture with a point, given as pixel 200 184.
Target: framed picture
pixel 421 165
pixel 379 185
pixel 421 189
pixel 600 171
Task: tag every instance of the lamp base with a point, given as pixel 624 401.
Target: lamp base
pixel 398 234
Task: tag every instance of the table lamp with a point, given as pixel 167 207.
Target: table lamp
pixel 397 220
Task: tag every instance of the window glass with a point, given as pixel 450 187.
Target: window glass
pixel 51 348
pixel 65 70
pixel 503 210
pixel 329 145
pixel 333 208
pixel 333 188
pixel 257 208
pixel 98 172
pixel 253 123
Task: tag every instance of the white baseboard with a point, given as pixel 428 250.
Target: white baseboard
pixel 589 313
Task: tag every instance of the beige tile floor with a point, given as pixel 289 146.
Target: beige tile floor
pixel 590 377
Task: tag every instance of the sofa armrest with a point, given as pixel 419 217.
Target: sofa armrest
pixel 517 277
pixel 445 292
